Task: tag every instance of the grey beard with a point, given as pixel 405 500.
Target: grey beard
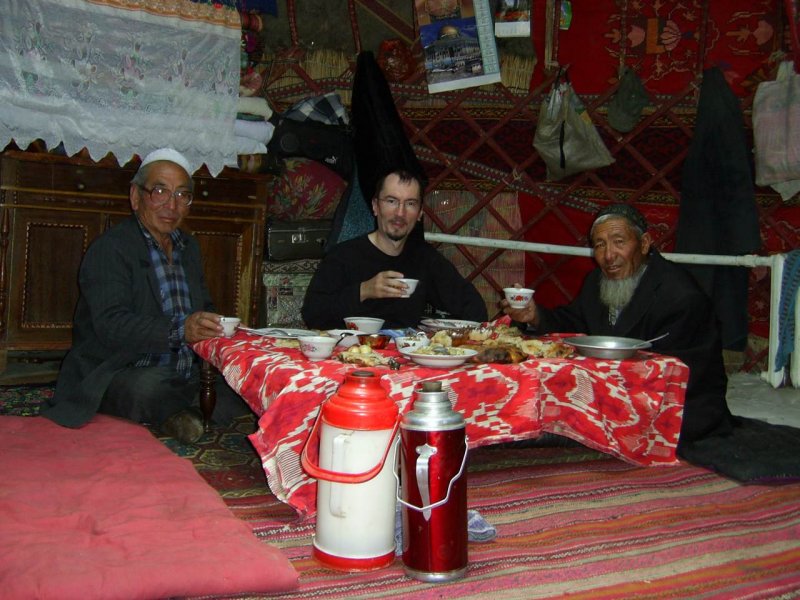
pixel 616 293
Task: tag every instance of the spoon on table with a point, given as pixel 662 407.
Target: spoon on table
pixel 344 334
pixel 650 341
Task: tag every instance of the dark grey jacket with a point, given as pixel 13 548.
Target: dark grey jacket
pixel 118 318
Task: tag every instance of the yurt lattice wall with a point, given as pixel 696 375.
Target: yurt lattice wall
pixel 486 179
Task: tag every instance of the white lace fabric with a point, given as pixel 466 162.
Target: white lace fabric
pixel 121 76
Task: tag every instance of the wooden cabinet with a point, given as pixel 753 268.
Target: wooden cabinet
pixel 51 208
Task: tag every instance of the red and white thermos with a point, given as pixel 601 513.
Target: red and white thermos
pixel 433 487
pixel 356 487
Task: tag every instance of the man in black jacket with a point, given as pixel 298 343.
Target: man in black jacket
pixel 637 293
pixel 361 277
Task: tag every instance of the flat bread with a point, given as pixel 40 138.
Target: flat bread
pixel 502 344
pixel 364 356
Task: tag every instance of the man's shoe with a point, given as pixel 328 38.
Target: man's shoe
pixel 186 426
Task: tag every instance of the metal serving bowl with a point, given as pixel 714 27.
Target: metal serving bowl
pixel 376 341
pixel 607 346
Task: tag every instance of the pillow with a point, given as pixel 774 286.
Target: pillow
pixel 107 511
pixel 306 190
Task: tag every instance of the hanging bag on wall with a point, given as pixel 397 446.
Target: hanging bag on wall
pixel 565 137
pixel 776 130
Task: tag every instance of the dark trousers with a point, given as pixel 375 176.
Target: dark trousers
pixel 152 394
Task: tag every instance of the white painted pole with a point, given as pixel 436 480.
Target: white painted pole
pixel 775 262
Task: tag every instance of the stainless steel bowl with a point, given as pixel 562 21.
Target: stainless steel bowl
pixel 607 346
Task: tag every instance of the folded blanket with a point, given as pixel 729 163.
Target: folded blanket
pixel 246 145
pixel 750 451
pixel 254 106
pixel 260 131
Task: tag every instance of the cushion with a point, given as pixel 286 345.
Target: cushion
pixel 307 189
pixel 107 511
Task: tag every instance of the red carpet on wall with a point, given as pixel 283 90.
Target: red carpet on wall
pixel 663 41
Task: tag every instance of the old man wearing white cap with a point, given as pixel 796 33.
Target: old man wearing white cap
pixel 143 301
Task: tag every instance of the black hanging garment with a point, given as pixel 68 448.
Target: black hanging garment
pixel 718 213
pixel 380 145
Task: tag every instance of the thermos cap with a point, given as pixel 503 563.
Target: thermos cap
pixel 360 403
pixel 432 410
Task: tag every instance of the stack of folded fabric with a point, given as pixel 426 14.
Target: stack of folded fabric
pixel 252 128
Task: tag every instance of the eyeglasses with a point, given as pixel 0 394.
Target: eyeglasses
pixel 394 203
pixel 159 195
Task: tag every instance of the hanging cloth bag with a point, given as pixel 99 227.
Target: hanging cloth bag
pixel 565 137
pixel 776 131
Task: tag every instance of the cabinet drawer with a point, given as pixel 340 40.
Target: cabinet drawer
pixel 71 179
pixel 225 190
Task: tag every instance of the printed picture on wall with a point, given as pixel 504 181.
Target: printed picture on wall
pixel 458 42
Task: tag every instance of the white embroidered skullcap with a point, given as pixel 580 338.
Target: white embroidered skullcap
pixel 168 154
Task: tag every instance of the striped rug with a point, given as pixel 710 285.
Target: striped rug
pixel 570 522
pixel 573 522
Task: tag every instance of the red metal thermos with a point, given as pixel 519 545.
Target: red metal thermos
pixel 433 487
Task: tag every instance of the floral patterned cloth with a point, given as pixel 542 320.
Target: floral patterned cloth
pixel 631 409
pixel 122 76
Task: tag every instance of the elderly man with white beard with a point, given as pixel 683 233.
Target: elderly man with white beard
pixel 637 293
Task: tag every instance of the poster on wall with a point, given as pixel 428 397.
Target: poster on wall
pixel 458 40
pixel 512 18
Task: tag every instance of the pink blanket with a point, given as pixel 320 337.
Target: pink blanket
pixel 107 511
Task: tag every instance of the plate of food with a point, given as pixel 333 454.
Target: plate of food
pixel 448 324
pixel 607 346
pixel 440 357
pixel 280 333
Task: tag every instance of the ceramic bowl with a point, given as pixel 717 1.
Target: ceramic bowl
pixel 317 347
pixel 518 297
pixel 406 344
pixel 442 361
pixel 229 325
pixel 365 324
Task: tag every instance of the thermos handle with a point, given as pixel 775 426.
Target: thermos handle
pixel 425 467
pixel 318 472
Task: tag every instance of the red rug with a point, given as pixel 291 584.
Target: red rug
pixel 573 522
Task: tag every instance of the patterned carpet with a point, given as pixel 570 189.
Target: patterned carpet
pixel 570 521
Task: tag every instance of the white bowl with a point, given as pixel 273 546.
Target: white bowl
pixel 317 347
pixel 349 340
pixel 411 285
pixel 442 361
pixel 406 344
pixel 518 297
pixel 229 325
pixel 365 324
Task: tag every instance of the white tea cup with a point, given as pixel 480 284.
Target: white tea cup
pixel 229 325
pixel 317 347
pixel 411 285
pixel 518 297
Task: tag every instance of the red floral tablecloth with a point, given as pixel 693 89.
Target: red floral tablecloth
pixel 631 409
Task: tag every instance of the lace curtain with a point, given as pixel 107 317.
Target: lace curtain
pixel 121 76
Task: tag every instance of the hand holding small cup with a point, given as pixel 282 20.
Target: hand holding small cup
pixel 518 297
pixel 229 325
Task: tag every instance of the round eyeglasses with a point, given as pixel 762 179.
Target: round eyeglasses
pixel 160 195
